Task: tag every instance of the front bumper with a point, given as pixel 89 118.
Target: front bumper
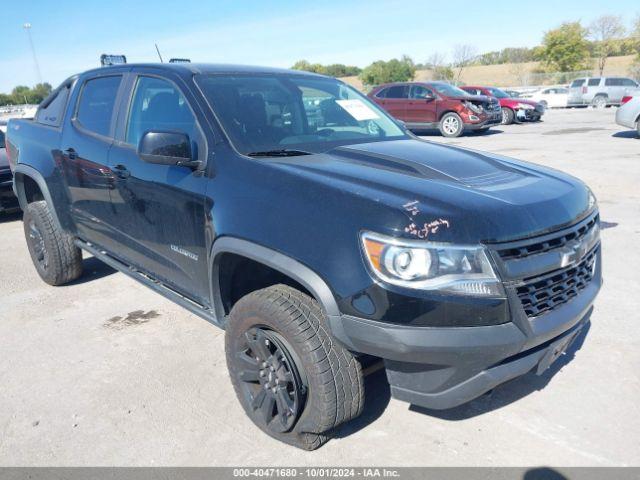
pixel 473 122
pixel 528 114
pixel 439 368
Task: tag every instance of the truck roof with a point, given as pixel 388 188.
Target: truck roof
pixel 204 68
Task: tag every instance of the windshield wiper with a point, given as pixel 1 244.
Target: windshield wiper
pixel 285 152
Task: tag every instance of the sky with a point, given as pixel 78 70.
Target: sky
pixel 69 35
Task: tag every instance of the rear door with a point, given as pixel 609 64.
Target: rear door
pixel 160 209
pixel 576 91
pixel 421 107
pixel 86 141
pixel 395 101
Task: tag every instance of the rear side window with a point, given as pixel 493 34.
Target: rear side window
pixel 398 91
pixel 97 100
pixel 594 82
pixel 53 113
pixel 578 82
pixel 627 82
pixel 613 82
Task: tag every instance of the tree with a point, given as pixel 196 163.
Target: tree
pixel 438 65
pixel 565 49
pixel 392 71
pixel 334 70
pixel 604 30
pixel 463 56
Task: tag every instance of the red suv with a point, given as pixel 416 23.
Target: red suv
pixel 513 109
pixel 439 105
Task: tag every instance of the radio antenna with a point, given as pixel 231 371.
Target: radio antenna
pixel 158 50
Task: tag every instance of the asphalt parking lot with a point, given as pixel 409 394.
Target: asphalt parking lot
pixel 106 372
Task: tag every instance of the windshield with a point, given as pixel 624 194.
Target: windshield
pixel 449 90
pixel 274 113
pixel 496 92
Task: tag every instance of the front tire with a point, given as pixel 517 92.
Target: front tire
pixel 55 256
pixel 451 125
pixel 293 380
pixel 507 116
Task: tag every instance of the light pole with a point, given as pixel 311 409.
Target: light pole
pixel 27 27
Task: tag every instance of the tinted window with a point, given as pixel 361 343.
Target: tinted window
pixel 53 113
pixel 578 82
pixel 398 91
pixel 158 105
pixel 627 82
pixel 95 107
pixel 562 90
pixel 594 82
pixel 418 91
pixel 2 145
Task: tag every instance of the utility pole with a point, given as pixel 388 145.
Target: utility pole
pixel 27 27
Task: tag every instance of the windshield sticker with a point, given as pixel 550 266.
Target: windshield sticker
pixel 357 109
pixel 428 228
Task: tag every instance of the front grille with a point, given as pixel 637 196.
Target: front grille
pixel 544 294
pixel 548 244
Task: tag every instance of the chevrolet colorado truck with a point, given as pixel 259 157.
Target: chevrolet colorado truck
pixel 288 209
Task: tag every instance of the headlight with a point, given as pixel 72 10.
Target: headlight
pixel 525 106
pixel 473 107
pixel 592 200
pixel 431 266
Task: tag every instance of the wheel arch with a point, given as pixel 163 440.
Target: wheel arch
pixel 24 179
pixel 273 259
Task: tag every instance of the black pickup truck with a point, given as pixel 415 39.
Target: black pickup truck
pixel 291 211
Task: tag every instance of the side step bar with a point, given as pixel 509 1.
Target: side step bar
pixel 163 290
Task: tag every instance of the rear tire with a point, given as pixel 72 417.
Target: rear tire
pixel 599 101
pixel 451 125
pixel 293 379
pixel 507 116
pixel 55 256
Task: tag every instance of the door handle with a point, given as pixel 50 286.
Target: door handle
pixel 71 153
pixel 121 171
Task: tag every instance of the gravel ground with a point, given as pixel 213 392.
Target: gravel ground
pixel 106 372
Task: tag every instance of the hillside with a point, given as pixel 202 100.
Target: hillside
pixel 513 74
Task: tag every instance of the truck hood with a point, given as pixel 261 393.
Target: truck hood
pixel 472 196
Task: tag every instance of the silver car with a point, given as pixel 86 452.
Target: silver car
pixel 600 91
pixel 628 115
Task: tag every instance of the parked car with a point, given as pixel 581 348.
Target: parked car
pixel 551 97
pixel 318 249
pixel 427 105
pixel 513 109
pixel 628 115
pixel 8 201
pixel 600 92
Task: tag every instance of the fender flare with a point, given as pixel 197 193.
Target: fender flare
pixel 273 259
pixel 22 171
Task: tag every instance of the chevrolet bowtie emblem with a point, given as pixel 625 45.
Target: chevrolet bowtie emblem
pixel 572 253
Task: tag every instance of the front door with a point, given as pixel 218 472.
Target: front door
pixel 421 107
pixel 85 146
pixel 161 209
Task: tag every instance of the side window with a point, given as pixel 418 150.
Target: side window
pixel 158 105
pixel 2 144
pixel 398 91
pixel 418 91
pixel 627 82
pixel 382 93
pixel 53 113
pixel 594 82
pixel 95 108
pixel 577 82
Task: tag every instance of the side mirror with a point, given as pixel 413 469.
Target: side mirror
pixel 167 148
pixel 428 97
